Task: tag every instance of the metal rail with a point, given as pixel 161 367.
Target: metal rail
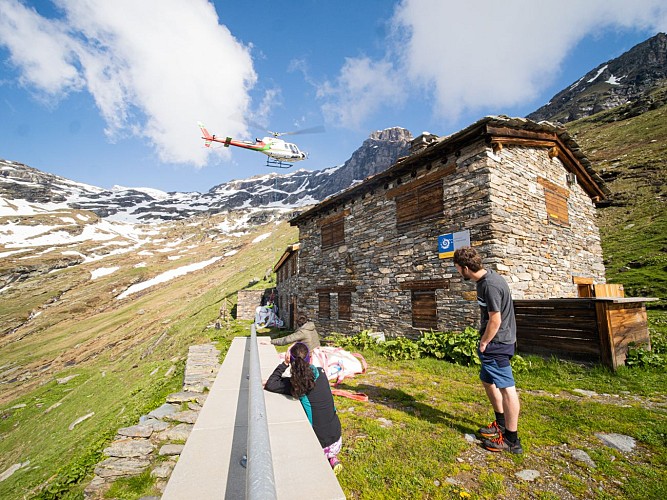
pixel 260 481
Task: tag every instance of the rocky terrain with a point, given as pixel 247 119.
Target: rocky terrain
pixel 629 78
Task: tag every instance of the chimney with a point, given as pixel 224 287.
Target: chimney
pixel 422 141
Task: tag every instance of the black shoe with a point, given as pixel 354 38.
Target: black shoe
pixel 502 444
pixel 492 430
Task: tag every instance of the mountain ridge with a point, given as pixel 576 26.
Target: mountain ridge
pixel 616 82
pixel 272 191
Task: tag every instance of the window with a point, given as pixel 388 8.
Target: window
pixel 333 233
pixel 424 309
pixel 555 198
pixel 345 305
pixel 324 300
pixel 422 203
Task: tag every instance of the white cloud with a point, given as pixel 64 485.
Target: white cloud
pixel 362 87
pixel 478 54
pixel 154 67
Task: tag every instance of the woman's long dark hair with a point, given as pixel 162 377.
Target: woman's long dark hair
pixel 302 378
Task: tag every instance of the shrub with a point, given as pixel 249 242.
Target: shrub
pixel 399 348
pixel 457 347
pixel 638 356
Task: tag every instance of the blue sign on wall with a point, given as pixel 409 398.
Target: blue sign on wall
pixel 449 242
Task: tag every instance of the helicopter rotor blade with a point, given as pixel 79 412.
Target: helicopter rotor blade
pixel 313 130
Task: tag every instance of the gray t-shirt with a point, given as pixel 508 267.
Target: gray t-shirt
pixel 493 294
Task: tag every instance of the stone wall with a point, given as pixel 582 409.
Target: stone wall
pixel 247 302
pixel 287 290
pixel 494 195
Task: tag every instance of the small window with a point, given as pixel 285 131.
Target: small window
pixel 324 300
pixel 424 309
pixel 555 198
pixel 333 233
pixel 345 305
pixel 422 203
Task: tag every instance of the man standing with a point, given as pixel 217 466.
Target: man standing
pixel 496 348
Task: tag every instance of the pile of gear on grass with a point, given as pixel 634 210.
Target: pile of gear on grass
pixel 337 363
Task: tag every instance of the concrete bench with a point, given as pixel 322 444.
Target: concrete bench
pixel 209 465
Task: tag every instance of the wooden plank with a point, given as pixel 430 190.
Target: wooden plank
pixel 606 338
pixel 582 280
pixel 555 188
pixel 563 345
pixel 421 181
pixel 333 218
pixel 336 289
pixel 555 304
pixel 435 284
pixel 560 333
pixel 586 351
pixel 344 305
pixel 571 322
pixel 324 303
pixel 609 290
pixel 424 309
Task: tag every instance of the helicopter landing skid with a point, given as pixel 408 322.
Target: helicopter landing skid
pixel 270 162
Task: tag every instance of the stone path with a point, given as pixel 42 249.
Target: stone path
pixel 162 432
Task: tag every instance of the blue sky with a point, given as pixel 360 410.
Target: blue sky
pixel 110 92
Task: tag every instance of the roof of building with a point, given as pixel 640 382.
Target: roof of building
pixel 498 130
pixel 286 254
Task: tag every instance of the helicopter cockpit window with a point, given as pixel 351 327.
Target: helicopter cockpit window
pixel 293 148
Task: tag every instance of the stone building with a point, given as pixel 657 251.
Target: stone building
pixel 286 285
pixel 521 192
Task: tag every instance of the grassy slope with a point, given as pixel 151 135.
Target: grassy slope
pixel 120 351
pixel 409 437
pixel 632 154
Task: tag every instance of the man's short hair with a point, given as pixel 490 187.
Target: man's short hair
pixel 468 257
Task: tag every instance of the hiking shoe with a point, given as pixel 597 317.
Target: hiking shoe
pixel 502 444
pixel 335 465
pixel 492 430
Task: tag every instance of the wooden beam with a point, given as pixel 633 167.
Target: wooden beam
pixel 436 284
pixel 421 181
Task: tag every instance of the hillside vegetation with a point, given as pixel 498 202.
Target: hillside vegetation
pixel 125 355
pixel 628 148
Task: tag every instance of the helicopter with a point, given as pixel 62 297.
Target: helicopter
pixel 280 154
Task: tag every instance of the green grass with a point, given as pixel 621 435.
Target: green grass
pixel 431 404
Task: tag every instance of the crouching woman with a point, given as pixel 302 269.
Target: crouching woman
pixel 310 385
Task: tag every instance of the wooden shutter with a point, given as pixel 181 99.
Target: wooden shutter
pixel 422 203
pixel 424 309
pixel 344 305
pixel 333 233
pixel 324 305
pixel 555 198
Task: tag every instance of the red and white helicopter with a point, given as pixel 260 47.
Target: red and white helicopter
pixel 280 154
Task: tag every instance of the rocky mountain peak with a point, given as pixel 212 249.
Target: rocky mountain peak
pixel 395 134
pixel 619 81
